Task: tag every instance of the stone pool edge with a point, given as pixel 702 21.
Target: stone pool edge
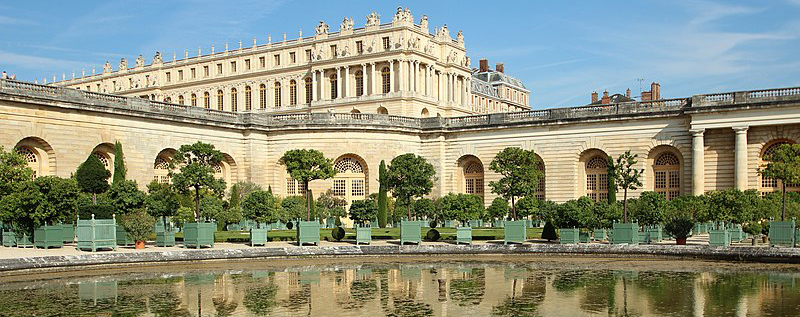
pixel 739 253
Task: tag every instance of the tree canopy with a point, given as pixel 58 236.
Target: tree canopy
pixel 330 206
pixel 498 209
pixel 92 177
pixel 306 165
pixel 260 206
pixel 196 171
pixel 383 203
pixel 162 200
pixel 626 177
pixel 126 196
pixel 363 211
pixel 520 171
pixel 461 207
pixel 119 164
pixel 13 171
pixel 46 200
pixel 649 209
pixel 408 176
pixel 783 164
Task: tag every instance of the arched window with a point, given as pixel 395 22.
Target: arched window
pixel 161 170
pixel 194 100
pixel 425 113
pixel 234 100
pixel 103 159
pixel 473 178
pixel 31 159
pixel 248 98
pixel 277 95
pixel 292 93
pixel 769 185
pixel 262 96
pixel 667 175
pixel 386 81
pixel 539 194
pixel 597 178
pixel 309 90
pixel 180 100
pixel 350 181
pixel 206 100
pixel 334 82
pixel 220 100
pixel 382 110
pixel 359 83
pixel 168 99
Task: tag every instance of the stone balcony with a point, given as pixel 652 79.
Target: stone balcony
pixel 82 100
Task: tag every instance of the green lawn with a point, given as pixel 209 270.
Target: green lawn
pixel 377 234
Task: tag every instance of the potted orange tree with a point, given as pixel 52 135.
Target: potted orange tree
pixel 139 226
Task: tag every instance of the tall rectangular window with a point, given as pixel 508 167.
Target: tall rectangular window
pixel 308 56
pixel 277 60
pixel 262 62
pixel 180 75
pixel 233 67
pixel 193 73
pixel 169 78
pixel 334 52
pixel 360 47
pixel 205 71
pixel 247 64
pixel 292 58
pixel 386 43
pixel 219 69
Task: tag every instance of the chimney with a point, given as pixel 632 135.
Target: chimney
pixel 594 96
pixel 606 100
pixel 655 90
pixel 628 93
pixel 500 68
pixel 484 65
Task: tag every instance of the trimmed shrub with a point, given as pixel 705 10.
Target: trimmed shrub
pixel 138 224
pixel 679 224
pixel 100 211
pixel 433 235
pixel 549 232
pixel 337 233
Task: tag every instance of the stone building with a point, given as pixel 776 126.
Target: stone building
pixel 686 145
pixel 397 68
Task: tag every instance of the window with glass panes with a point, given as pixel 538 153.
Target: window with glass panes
pixel 350 180
pixel 359 83
pixel 597 178
pixel 248 98
pixel 277 95
pixel 667 175
pixel 769 185
pixel 333 82
pixel 220 100
pixel 262 96
pixel 292 92
pixel 309 90
pixel 234 100
pixel 386 80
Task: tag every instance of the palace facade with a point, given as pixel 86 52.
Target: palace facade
pixel 431 107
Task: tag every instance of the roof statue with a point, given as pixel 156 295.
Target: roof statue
pixel 322 28
pixel 347 24
pixel 373 19
pixel 423 22
pixel 403 16
pixel 107 67
pixel 443 32
pixel 460 36
pixel 123 63
pixel 158 59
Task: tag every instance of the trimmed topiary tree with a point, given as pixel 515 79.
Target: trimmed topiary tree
pixel 549 231
pixel 196 172
pixel 92 177
pixel 408 176
pixel 306 166
pixel 461 207
pixel 162 201
pixel 783 164
pixel 260 206
pixel 138 224
pixel 520 174
pixel 119 164
pixel 383 203
pixel 498 209
pixel 626 177
pixel 363 211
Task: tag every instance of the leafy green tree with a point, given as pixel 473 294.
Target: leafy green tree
pixel 498 209
pixel 13 171
pixel 573 213
pixel 604 215
pixel 311 204
pixel 240 190
pixel 461 207
pixel 196 172
pixel 330 206
pixel 383 204
pixel 293 208
pixel 126 196
pixel 612 183
pixel 363 211
pixel 520 174
pixel 627 178
pixel 696 206
pixel 46 200
pixel 305 166
pixel 426 208
pixel 527 206
pixel 771 206
pixel 649 209
pixel 138 224
pixel 212 207
pixel 119 164
pixel 783 164
pixel 410 176
pixel 679 223
pixel 162 201
pixel 733 205
pixel 260 206
pixel 92 177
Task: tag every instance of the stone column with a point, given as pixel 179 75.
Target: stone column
pixel 740 174
pixel 338 82
pixel 346 82
pixel 402 76
pixel 698 162
pixel 414 76
pixel 313 85
pixel 391 76
pixel 372 90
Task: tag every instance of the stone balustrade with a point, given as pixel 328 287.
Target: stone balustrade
pixel 130 105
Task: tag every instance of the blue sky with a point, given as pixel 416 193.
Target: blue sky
pixel 562 50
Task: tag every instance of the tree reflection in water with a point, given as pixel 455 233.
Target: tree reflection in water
pixel 469 289
pixel 260 300
pixel 527 302
pixel 724 292
pixel 166 303
pixel 671 294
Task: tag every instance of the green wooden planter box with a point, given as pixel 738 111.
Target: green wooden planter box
pixel 24 241
pixel 410 232
pixel 449 224
pixel 644 237
pixel 464 235
pixel 625 233
pixel 719 236
pixel 258 237
pixel 584 237
pixel 699 228
pixel 97 234
pixel 499 224
pixel 569 235
pixel 68 233
pixel 475 223
pixel 655 234
pixel 736 233
pixel 600 235
pixel 123 238
pixel 307 232
pixel 9 239
pixel 48 237
pixel 514 232
pixel 363 235
pixel 165 238
pixel 199 234
pixel 781 233
pixel 796 237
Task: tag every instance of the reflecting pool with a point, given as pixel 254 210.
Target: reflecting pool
pixel 429 286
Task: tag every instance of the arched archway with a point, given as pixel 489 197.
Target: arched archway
pixel 768 185
pixel 665 164
pixel 593 169
pixel 351 178
pixel 226 170
pixel 105 153
pixel 355 111
pixel 471 175
pixel 425 113
pixel 38 154
pixel 382 110
pixel 161 166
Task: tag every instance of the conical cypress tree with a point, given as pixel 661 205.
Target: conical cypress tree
pixel 549 232
pixel 92 177
pixel 383 201
pixel 119 164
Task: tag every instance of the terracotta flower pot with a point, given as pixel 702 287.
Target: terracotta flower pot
pixel 680 241
pixel 140 244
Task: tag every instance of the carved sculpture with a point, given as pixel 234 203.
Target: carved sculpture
pixel 107 67
pixel 157 59
pixel 322 28
pixel 460 36
pixel 347 24
pixel 123 63
pixel 403 16
pixel 373 19
pixel 423 23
